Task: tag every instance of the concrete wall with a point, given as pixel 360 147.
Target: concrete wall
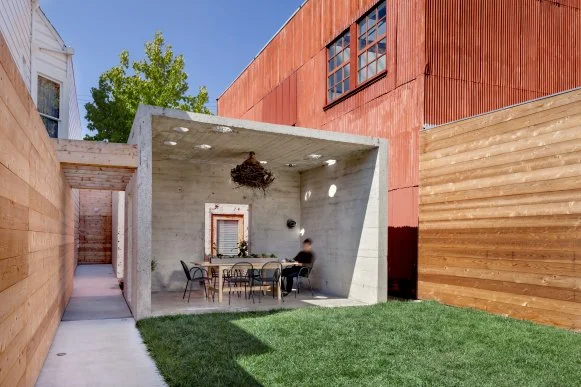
pixel 95 226
pixel 36 232
pixel 178 218
pixel 344 212
pixel 118 232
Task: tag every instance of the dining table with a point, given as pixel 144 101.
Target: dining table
pixel 223 264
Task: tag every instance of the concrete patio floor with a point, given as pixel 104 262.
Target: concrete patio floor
pixel 98 344
pixel 169 303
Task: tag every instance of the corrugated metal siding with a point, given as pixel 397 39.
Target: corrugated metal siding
pixel 484 55
pixel 391 107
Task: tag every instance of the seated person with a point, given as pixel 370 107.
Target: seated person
pixel 305 257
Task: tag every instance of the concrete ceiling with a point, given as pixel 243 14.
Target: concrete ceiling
pixel 278 145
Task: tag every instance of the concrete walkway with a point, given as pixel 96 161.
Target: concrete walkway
pixel 97 343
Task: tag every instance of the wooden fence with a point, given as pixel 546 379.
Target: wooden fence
pixel 500 212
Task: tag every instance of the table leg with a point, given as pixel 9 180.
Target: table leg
pixel 220 281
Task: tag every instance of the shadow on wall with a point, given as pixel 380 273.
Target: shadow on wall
pixel 182 356
pixel 402 262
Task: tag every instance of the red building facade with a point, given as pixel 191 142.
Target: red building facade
pixel 409 63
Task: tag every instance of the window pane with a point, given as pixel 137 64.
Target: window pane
pixel 381 10
pixel 372 36
pixel 339 88
pixel 331 80
pixel 48 100
pixel 381 28
pixel 346 39
pixel 52 126
pixel 362 60
pixel 331 51
pixel 381 47
pixel 361 75
pixel 346 85
pixel 227 231
pixel 371 19
pixel 332 64
pixel 381 64
pixel 371 70
pixel 329 95
pixel 346 71
pixel 362 42
pixel 371 55
pixel 347 54
pixel 362 25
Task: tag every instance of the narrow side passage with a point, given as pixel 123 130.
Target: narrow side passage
pixel 97 343
pixel 96 295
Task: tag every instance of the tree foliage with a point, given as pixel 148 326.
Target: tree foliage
pixel 158 80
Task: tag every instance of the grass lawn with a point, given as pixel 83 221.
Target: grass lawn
pixel 397 343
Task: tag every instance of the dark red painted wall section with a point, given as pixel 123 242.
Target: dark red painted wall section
pixel 447 59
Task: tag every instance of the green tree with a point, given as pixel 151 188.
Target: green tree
pixel 158 80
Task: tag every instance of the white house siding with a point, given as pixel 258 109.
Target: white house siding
pixel 75 131
pixel 16 26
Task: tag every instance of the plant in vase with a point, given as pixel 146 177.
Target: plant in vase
pixel 243 249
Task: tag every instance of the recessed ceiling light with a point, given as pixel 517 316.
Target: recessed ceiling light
pixel 222 129
pixel 172 143
pixel 331 162
pixel 291 165
pixel 263 162
pixel 314 156
pixel 181 129
pixel 204 146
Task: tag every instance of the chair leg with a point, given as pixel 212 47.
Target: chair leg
pixel 190 293
pixel 186 289
pixel 311 287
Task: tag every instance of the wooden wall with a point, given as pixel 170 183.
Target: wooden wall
pixel 36 233
pixel 95 226
pixel 500 212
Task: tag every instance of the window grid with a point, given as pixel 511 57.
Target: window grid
pixel 338 67
pixel 48 104
pixel 371 44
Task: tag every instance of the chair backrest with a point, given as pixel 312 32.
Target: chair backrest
pixel 186 270
pixel 199 273
pixel 241 269
pixel 305 271
pixel 271 269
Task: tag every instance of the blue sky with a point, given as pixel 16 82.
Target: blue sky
pixel 217 37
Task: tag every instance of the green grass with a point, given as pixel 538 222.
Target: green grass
pixel 397 343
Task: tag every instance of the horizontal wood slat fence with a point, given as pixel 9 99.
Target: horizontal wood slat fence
pixel 500 212
pixel 36 233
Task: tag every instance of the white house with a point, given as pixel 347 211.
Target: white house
pixel 45 63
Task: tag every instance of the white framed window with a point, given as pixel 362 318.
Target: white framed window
pixel 226 225
pixel 48 104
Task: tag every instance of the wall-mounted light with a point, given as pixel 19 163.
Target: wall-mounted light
pixel 291 165
pixel 290 223
pixel 307 195
pixel 302 232
pixel 263 162
pixel 332 190
pixel 181 129
pixel 170 143
pixel 204 146
pixel 331 162
pixel 314 156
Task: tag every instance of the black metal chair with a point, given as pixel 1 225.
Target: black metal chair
pixel 304 272
pixel 269 274
pixel 196 273
pixel 241 274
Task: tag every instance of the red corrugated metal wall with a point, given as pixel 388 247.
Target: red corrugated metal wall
pixel 447 59
pixel 390 108
pixel 484 55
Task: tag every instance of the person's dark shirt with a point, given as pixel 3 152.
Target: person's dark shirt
pixel 304 257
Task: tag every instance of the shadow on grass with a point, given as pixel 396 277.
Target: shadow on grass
pixel 202 349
